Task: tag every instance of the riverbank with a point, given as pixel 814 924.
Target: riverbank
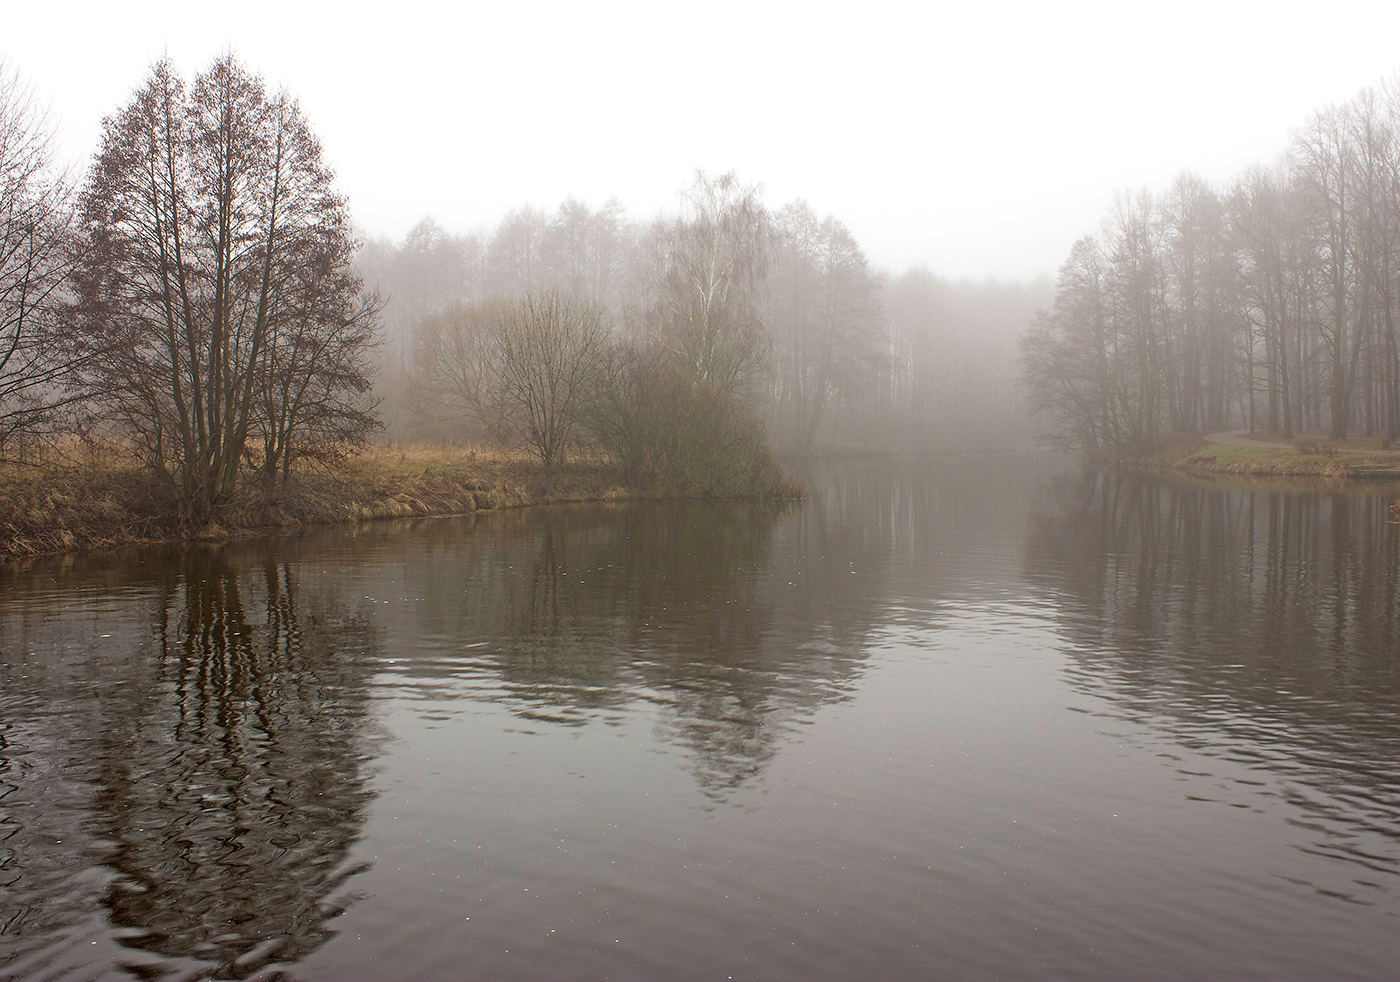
pixel 92 504
pixel 1310 456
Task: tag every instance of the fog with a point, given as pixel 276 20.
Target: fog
pixel 975 140
pixel 854 358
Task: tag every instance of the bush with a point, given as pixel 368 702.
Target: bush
pixel 677 437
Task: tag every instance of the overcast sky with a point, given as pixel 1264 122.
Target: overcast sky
pixel 975 139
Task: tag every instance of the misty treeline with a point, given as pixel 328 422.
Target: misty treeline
pixel 1269 303
pixel 776 308
pixel 199 298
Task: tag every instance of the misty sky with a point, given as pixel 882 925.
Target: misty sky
pixel 975 139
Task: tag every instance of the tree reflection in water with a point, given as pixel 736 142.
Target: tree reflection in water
pixel 737 620
pixel 186 747
pixel 1259 626
pixel 574 614
pixel 227 752
pixel 213 755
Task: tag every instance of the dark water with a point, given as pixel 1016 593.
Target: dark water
pixel 979 718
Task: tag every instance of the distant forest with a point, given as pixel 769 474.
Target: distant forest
pixel 1269 303
pixel 846 357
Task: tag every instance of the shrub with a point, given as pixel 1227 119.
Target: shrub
pixel 678 437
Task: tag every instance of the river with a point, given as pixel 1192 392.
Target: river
pixel 968 717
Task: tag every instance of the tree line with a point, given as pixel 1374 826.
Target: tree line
pixel 201 295
pixel 778 306
pixel 1269 303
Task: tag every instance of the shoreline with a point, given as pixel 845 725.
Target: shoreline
pixel 96 506
pixel 1245 457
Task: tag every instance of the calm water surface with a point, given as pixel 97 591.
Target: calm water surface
pixel 969 718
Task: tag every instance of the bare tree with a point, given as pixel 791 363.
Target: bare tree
pixel 584 252
pixel 314 381
pixel 1134 241
pixel 824 320
pixel 516 264
pixel 203 213
pixel 34 260
pixel 1375 236
pixel 713 272
pixel 457 377
pixel 1070 357
pixel 548 348
pixel 1259 217
pixel 1324 170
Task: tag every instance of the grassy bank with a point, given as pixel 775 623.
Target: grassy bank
pixel 1309 456
pixel 89 503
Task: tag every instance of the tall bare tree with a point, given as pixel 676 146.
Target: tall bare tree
pixel 548 346
pixel 713 273
pixel 204 213
pixel 1072 358
pixel 457 377
pixel 1261 223
pixel 824 320
pixel 313 384
pixel 1324 171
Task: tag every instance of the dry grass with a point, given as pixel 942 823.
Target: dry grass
pixel 48 511
pixel 1276 461
pixel 102 502
pixel 407 481
pixel 1307 459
